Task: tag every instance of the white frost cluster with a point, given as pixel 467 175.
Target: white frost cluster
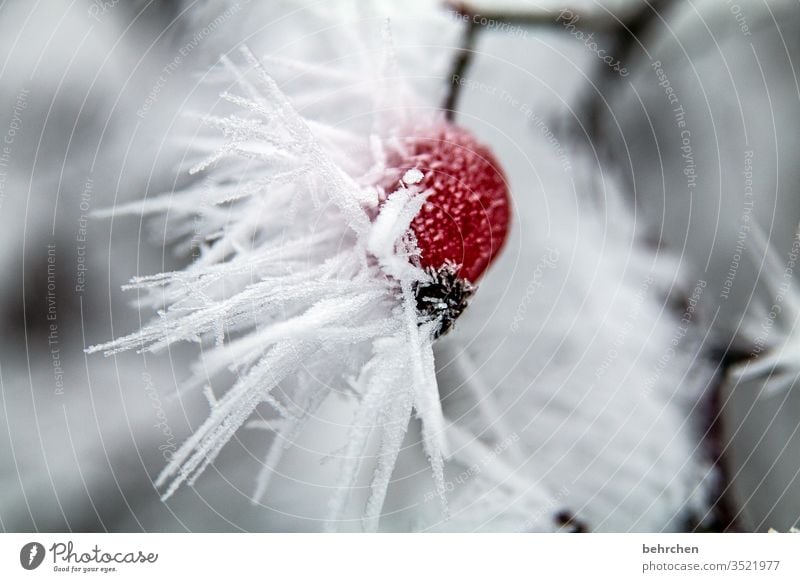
pixel 298 292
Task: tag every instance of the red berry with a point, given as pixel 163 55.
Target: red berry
pixel 464 221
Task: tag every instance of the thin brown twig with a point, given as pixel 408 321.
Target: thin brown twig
pixel 460 65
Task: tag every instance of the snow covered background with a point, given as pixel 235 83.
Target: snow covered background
pixel 596 380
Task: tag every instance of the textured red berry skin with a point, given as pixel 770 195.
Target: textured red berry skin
pixel 465 219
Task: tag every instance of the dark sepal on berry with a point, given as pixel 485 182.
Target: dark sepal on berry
pixel 443 298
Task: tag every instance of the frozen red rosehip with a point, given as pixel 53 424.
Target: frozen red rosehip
pixel 464 222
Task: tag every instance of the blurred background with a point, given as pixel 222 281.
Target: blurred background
pixel 688 111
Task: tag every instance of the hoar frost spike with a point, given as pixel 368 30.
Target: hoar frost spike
pixel 464 221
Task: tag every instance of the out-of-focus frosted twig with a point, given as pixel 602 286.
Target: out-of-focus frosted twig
pixel 460 65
